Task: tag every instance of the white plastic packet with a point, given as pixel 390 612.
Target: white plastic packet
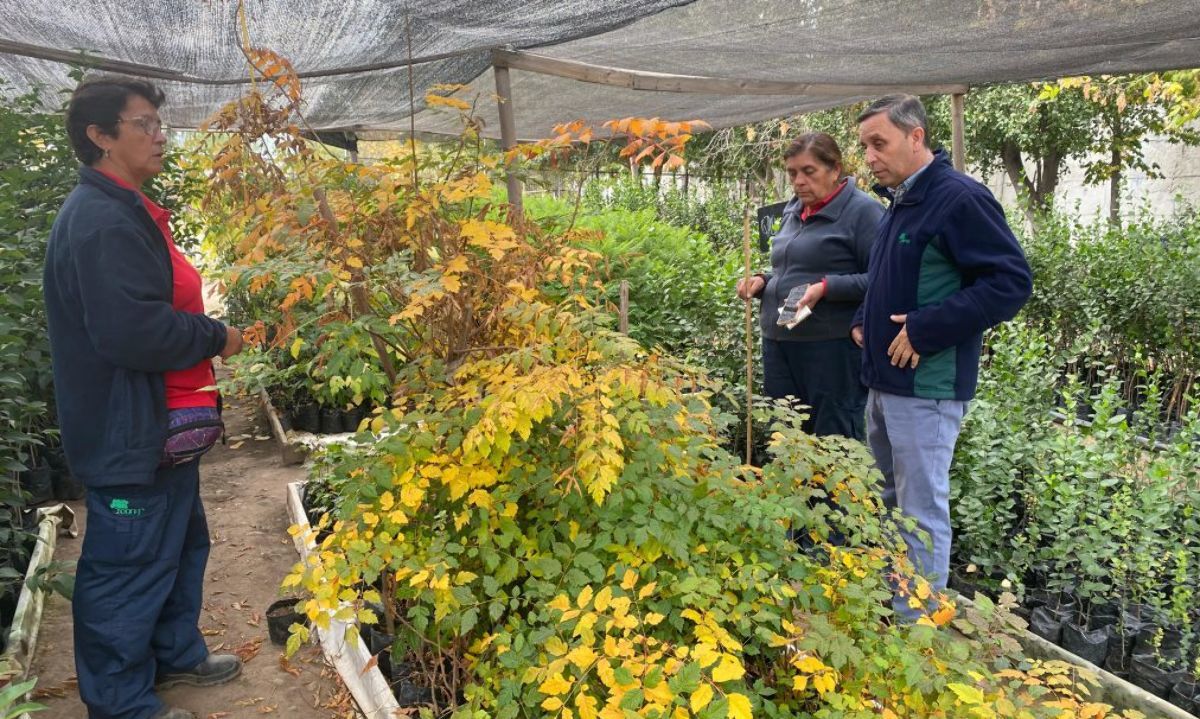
pixel 792 312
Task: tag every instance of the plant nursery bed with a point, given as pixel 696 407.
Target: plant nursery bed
pixel 342 644
pixel 21 641
pixel 1109 688
pixel 295 444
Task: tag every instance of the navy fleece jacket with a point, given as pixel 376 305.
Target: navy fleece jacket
pixel 946 257
pixel 108 288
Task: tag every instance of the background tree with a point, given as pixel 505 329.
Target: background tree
pixel 1126 110
pixel 1016 130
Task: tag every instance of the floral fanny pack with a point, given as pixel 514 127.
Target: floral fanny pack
pixel 191 431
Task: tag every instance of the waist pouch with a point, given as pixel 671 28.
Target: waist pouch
pixel 191 431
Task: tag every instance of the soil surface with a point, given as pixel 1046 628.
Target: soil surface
pixel 243 486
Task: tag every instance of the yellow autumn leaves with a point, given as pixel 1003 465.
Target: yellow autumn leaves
pixel 603 661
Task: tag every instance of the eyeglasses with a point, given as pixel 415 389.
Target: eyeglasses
pixel 146 123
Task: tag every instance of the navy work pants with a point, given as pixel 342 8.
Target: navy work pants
pixel 138 591
pixel 823 375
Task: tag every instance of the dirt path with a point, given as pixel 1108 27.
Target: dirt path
pixel 243 493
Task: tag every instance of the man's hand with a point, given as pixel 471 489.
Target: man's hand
pixel 745 292
pixel 856 334
pixel 901 351
pixel 233 342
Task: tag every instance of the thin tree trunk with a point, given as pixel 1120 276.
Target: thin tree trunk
pixel 1114 191
pixel 1048 180
pixel 1114 181
pixel 1014 167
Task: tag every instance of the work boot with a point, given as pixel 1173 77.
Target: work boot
pixel 216 669
pixel 173 713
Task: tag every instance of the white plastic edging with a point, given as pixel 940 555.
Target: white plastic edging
pixel 341 643
pixel 27 618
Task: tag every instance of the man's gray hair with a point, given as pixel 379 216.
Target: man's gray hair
pixel 905 112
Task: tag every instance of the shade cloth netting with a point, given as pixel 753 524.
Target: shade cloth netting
pixel 353 52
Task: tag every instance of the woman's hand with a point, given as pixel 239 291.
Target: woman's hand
pixel 233 342
pixel 745 292
pixel 813 294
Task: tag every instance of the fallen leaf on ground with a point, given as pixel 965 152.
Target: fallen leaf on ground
pixel 59 690
pixel 248 650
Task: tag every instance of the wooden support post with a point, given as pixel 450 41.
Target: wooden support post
pixel 624 317
pixel 508 133
pixel 959 148
pixel 749 339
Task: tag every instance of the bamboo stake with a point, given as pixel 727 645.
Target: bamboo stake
pixel 749 337
pixel 624 316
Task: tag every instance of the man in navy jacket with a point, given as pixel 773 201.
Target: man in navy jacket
pixel 944 268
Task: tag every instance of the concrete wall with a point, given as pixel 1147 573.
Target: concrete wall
pixel 1179 186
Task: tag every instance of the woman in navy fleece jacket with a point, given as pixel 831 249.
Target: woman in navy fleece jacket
pixel 825 240
pixel 123 352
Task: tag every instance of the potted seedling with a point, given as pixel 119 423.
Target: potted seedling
pixel 1157 671
pixel 1186 693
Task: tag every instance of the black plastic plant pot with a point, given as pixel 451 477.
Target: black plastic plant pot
pixel 1155 674
pixel 1170 644
pixel 351 419
pixel 1037 577
pixel 408 692
pixel 9 593
pixel 1186 696
pixel 1047 623
pixel 307 417
pixel 1088 645
pixel 56 458
pixel 379 643
pixel 331 421
pixel 39 483
pixel 964 583
pixel 1143 613
pixel 281 616
pixel 1120 648
pixel 1037 598
pixel 66 487
pixel 1103 615
pixel 1117 663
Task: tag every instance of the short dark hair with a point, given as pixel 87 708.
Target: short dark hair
pixel 905 112
pixel 820 144
pixel 99 101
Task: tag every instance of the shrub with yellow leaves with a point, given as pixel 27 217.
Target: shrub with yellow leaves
pixel 544 516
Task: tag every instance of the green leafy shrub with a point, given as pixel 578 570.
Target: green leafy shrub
pixel 680 290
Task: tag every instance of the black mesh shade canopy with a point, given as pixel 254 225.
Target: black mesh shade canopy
pixel 727 62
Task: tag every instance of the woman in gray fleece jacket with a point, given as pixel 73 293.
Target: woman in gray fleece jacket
pixel 826 237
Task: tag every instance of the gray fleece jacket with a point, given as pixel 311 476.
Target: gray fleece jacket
pixel 835 244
